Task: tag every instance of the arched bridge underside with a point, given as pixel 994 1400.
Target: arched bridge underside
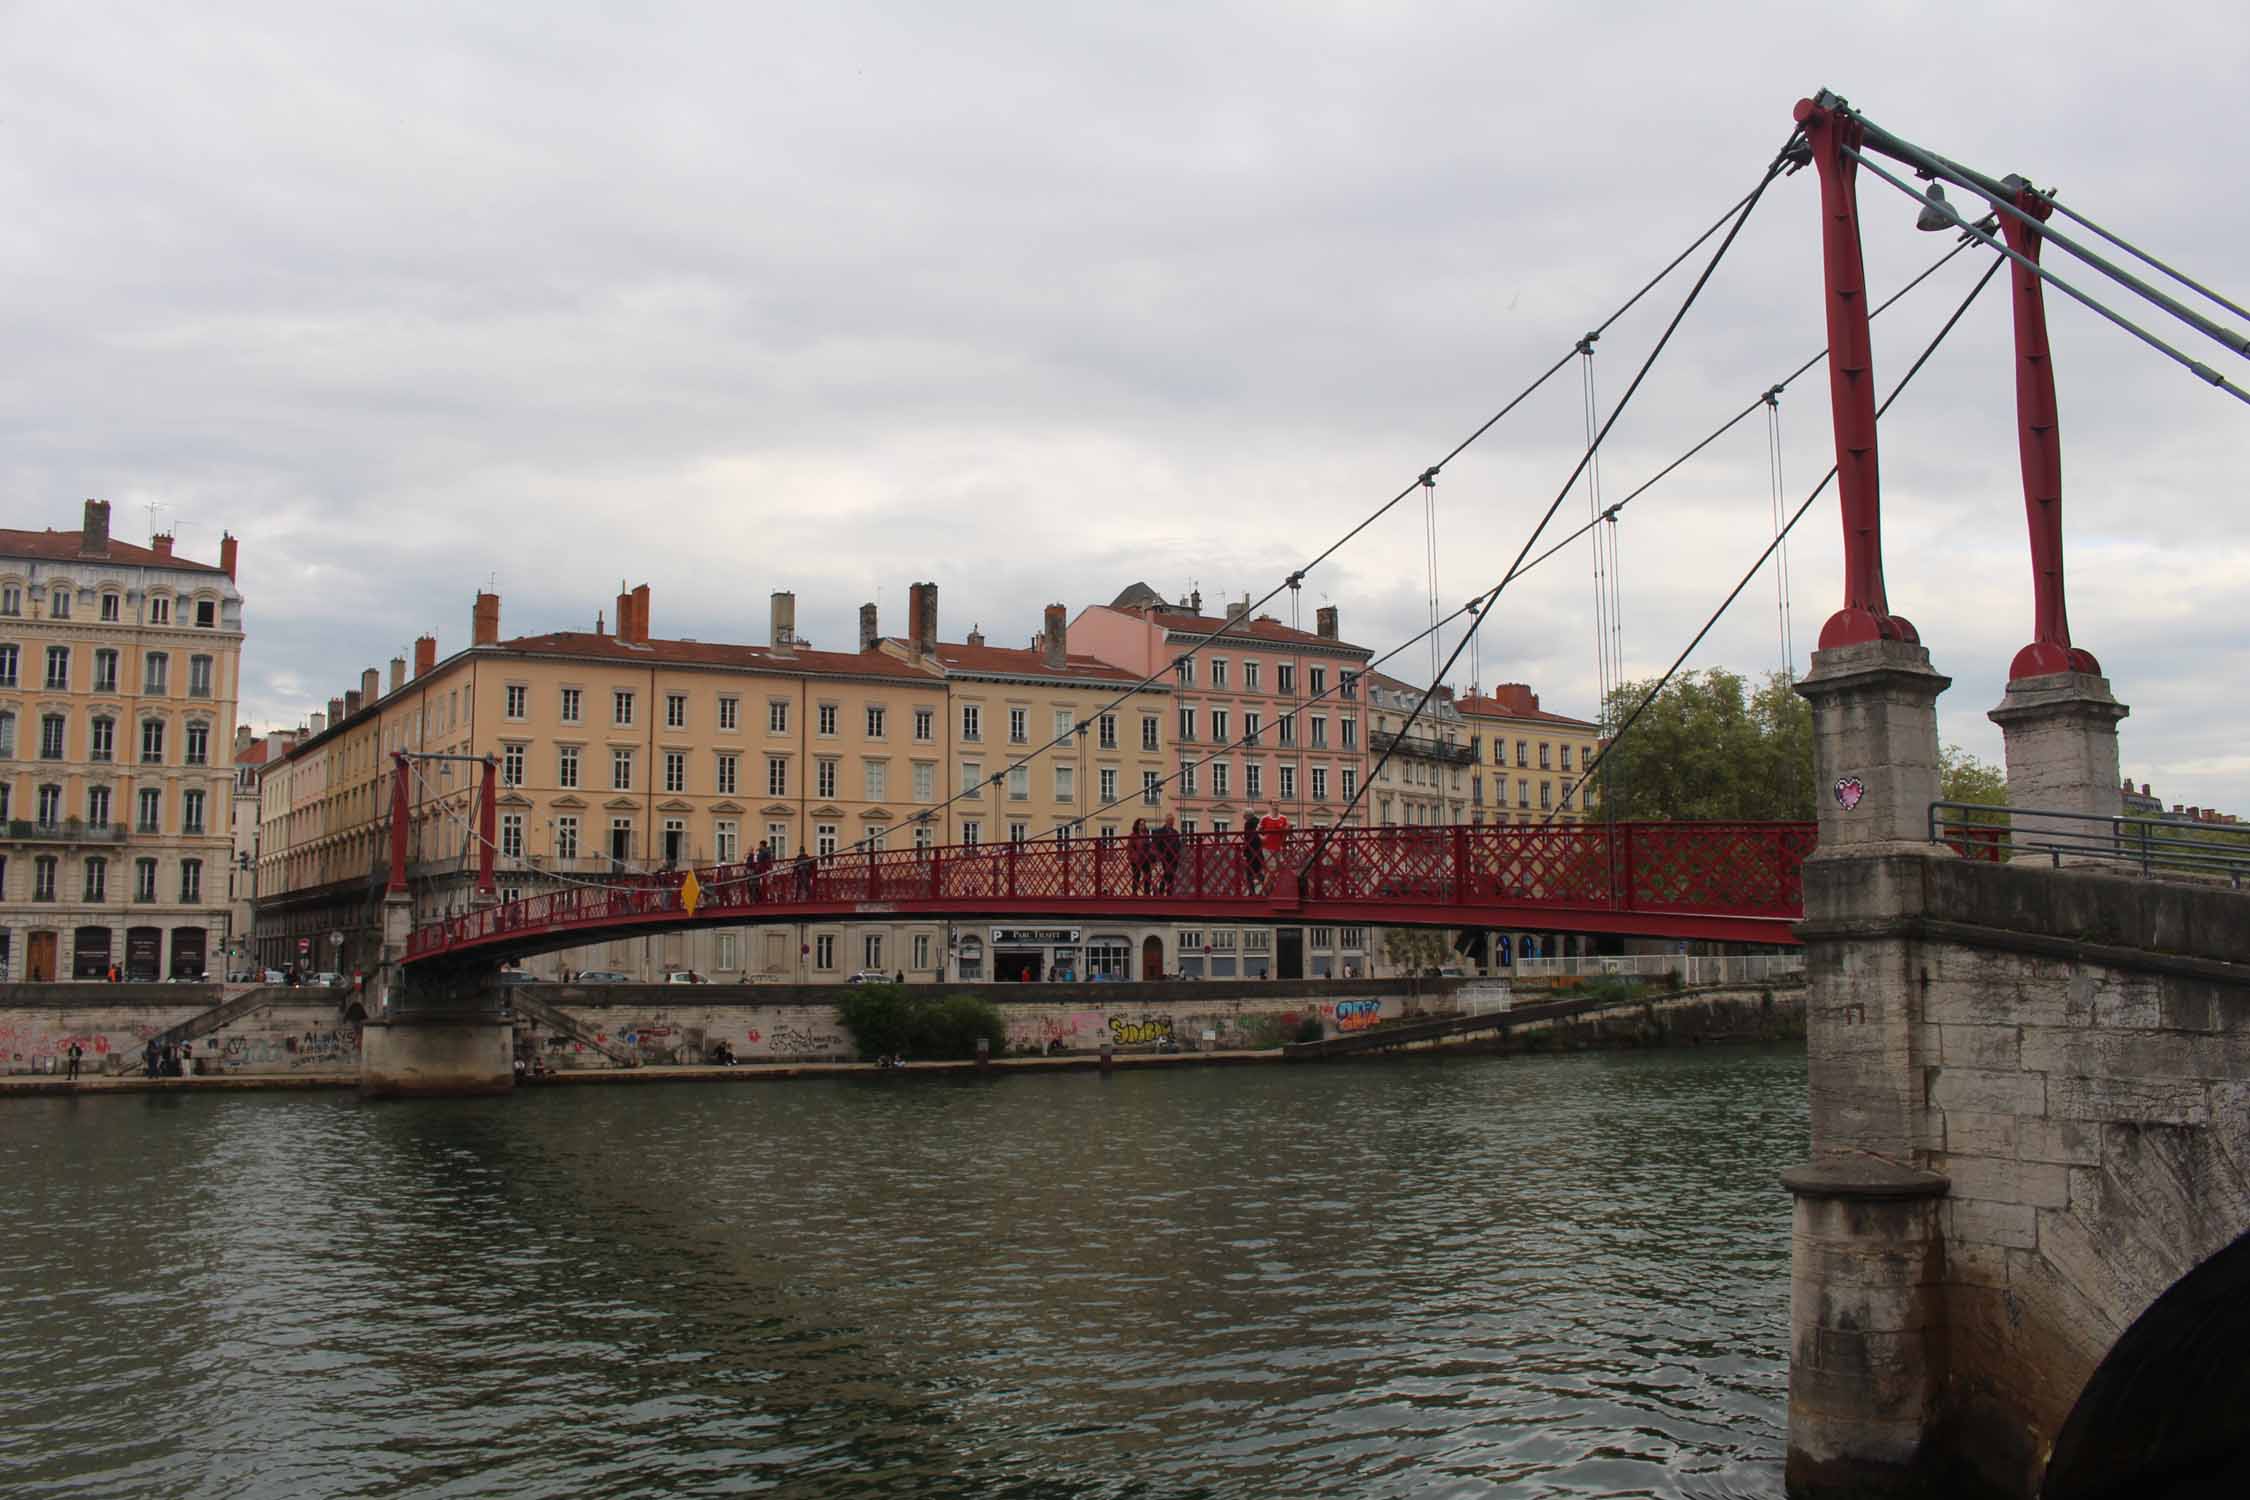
pixel 1735 882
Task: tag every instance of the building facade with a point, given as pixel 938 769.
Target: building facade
pixel 119 670
pixel 1427 777
pixel 1530 765
pixel 251 751
pixel 1263 714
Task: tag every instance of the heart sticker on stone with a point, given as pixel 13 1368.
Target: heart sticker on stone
pixel 1849 789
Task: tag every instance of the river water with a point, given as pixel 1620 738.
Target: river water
pixel 1529 1276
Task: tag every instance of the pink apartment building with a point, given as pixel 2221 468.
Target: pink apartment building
pixel 1262 714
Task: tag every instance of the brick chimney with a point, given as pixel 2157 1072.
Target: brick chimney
pixel 161 544
pixel 1238 609
pixel 425 653
pixel 243 738
pixel 1054 641
pixel 976 635
pixel 351 702
pixel 227 554
pixel 781 620
pixel 921 619
pixel 1325 621
pixel 869 631
pixel 640 615
pixel 335 710
pixel 485 621
pixel 93 540
pixel 624 615
pixel 398 673
pixel 314 724
pixel 370 685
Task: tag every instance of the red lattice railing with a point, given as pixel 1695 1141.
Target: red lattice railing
pixel 1744 870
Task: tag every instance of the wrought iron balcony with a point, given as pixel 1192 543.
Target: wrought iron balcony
pixel 68 831
pixel 1426 748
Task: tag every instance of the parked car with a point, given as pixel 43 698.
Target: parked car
pixel 600 976
pixel 517 976
pixel 273 976
pixel 685 976
pixel 187 979
pixel 327 979
pixel 871 976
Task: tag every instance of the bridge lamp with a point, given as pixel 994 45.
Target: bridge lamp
pixel 1937 214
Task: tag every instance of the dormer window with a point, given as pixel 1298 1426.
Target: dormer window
pixel 206 614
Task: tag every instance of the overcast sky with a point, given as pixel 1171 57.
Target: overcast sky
pixel 1038 301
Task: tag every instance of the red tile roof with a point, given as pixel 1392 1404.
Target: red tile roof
pixel 1263 627
pixel 1020 661
pixel 584 644
pixel 1515 706
pixel 63 546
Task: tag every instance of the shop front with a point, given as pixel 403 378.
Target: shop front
pixel 1027 955
pixel 89 953
pixel 189 950
pixel 144 954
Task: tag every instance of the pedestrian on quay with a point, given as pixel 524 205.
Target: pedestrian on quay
pixel 1168 850
pixel 76 1052
pixel 151 1056
pixel 1138 854
pixel 1253 856
pixel 187 1059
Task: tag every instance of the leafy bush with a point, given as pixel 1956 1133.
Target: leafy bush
pixel 890 1018
pixel 1610 989
pixel 1309 1030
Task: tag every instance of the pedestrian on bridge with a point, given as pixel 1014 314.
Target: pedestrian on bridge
pixel 804 874
pixel 1167 840
pixel 1138 854
pixel 1253 856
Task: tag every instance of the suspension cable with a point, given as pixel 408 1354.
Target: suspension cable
pixel 1781 556
pixel 2143 256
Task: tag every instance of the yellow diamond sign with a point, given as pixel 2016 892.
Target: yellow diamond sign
pixel 691 893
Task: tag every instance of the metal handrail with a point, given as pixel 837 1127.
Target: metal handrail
pixel 1983 830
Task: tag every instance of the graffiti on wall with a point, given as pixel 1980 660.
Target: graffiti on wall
pixel 1358 1015
pixel 1146 1029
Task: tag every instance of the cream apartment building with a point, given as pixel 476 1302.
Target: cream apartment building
pixel 119 669
pixel 618 751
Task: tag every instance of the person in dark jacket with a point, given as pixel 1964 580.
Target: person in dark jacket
pixel 1168 845
pixel 1253 857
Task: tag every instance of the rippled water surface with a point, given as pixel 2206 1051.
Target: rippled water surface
pixel 1534 1276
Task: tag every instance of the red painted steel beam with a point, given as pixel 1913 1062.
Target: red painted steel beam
pixel 487 825
pixel 2039 442
pixel 1866 613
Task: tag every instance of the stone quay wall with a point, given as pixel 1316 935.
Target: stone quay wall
pixel 112 1022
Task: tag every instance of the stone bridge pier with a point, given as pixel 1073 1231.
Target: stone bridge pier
pixel 2020 1264
pixel 444 1032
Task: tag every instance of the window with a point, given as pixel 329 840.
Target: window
pixel 566 765
pixel 1523 752
pixel 871 951
pixel 1187 725
pixel 825 722
pixel 1250 677
pixel 511 765
pixel 1019 783
pixel 921 950
pixel 777 839
pixel 726 841
pixel 97 872
pixel 1019 833
pixel 149 805
pixel 511 835
pixel 518 700
pixel 1219 778
pixel 1316 680
pixel 922 839
pixel 1351 783
pixel 1288 783
pixel 971 831
pixel 824 838
pixel 621 706
pixel 972 722
pixel 777 776
pixel 1218 672
pixel 1250 727
pixel 97 806
pixel 59 606
pixel 58 668
pixel 1566 757
pixel 1285 679
pixel 1566 798
pixel 1254 779
pixel 199 677
pixel 1183 671
pixel 620 839
pixel 191 881
pixel 1108 783
pixel 675 770
pixel 11 600
pixel 1350 729
pixel 1019 726
pixel 159 610
pixel 621 770
pixel 1285 729
pixel 925 724
pixel 1546 794
pixel 1150 724
pixel 729 777
pixel 9 655
pixel 824 777
pixel 191 811
pixel 51 737
pixel 1218 726
pixel 1066 784
pixel 1523 792
pixel 730 714
pixel 50 806
pixel 43 878
pixel 159 669
pixel 777 716
pixel 675 710
pixel 206 614
pixel 878 777
pixel 1320 783
pixel 571 701
pixel 1320 731
pixel 675 841
pixel 1187 778
pixel 1544 747
pixel 824 951
pixel 1151 788
pixel 152 742
pixel 925 781
pixel 875 717
pixel 566 836
pixel 144 880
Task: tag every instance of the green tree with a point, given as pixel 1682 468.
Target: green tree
pixel 1964 778
pixel 1414 949
pixel 887 1019
pixel 1711 745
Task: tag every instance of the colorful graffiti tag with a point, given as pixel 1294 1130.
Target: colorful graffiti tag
pixel 1358 1015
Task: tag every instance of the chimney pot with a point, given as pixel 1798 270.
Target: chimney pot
pixel 1055 639
pixel 425 653
pixel 485 620
pixel 781 620
pixel 93 539
pixel 352 702
pixel 640 615
pixel 1325 618
pixel 921 619
pixel 976 635
pixel 335 710
pixel 869 631
pixel 398 673
pixel 1238 609
pixel 161 544
pixel 315 723
pixel 227 554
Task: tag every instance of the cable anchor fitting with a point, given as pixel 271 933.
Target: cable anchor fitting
pixel 1773 397
pixel 1429 477
pixel 1586 344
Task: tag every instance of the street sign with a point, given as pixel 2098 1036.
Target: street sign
pixel 336 938
pixel 304 945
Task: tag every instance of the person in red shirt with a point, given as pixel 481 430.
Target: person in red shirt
pixel 1273 830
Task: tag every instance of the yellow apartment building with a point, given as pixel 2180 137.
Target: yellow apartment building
pixel 1528 761
pixel 119 670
